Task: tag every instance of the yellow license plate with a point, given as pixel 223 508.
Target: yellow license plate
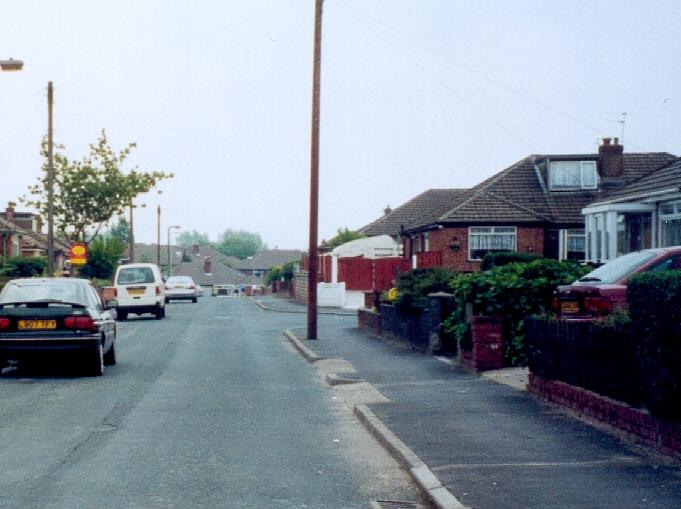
pixel 135 291
pixel 37 324
pixel 569 308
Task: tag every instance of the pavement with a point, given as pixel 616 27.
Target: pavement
pixel 483 441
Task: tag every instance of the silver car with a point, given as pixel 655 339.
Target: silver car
pixel 181 288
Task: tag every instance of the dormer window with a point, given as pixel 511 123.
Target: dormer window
pixel 572 175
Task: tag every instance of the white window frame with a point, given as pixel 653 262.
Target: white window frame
pixel 585 168
pixel 675 215
pixel 564 242
pixel 492 232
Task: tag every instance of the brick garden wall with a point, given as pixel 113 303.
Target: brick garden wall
pixel 661 434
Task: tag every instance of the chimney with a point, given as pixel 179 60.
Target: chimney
pixel 387 210
pixel 195 249
pixel 207 265
pixel 612 158
pixel 9 211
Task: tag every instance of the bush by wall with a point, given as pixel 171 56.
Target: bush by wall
pixel 513 292
pixel 414 286
pixel 23 266
pixel 499 259
pixel 654 301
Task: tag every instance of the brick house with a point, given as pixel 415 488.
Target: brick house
pixel 21 235
pixel 533 206
pixel 641 215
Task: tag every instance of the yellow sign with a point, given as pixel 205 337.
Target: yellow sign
pixel 78 254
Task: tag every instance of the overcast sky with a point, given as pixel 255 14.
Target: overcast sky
pixel 416 94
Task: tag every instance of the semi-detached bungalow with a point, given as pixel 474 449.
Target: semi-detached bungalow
pixel 533 206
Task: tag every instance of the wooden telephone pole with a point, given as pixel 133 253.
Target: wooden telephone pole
pixel 314 176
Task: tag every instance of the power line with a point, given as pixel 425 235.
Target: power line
pixel 477 73
pixel 442 83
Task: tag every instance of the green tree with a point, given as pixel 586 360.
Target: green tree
pixel 121 230
pixel 191 238
pixel 344 235
pixel 89 192
pixel 240 244
pixel 104 252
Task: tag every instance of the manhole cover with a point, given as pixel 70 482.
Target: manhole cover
pixel 393 504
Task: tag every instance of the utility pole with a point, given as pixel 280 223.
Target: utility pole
pixel 131 239
pixel 50 183
pixel 158 235
pixel 314 175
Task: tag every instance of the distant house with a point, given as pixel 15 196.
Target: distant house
pixel 641 215
pixel 533 206
pixel 21 235
pixel 207 266
pixel 260 264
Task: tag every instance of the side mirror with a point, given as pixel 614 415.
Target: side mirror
pixel 111 304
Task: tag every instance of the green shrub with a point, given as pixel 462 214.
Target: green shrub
pixel 499 259
pixel 513 292
pixel 414 286
pixel 102 258
pixel 24 266
pixel 654 301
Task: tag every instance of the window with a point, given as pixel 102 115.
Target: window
pixel 575 241
pixel 572 175
pixel 490 239
pixel 670 223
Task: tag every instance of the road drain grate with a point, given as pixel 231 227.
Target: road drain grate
pixel 392 504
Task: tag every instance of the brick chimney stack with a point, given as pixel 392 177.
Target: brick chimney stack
pixel 612 158
pixel 207 265
pixel 9 211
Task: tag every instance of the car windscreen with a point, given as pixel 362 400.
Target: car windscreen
pixel 135 275
pixel 25 291
pixel 615 270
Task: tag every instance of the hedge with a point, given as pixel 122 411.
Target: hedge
pixel 499 259
pixel 513 292
pixel 654 301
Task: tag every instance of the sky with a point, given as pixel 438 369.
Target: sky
pixel 415 94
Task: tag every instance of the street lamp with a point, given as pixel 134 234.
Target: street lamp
pixel 131 236
pixel 11 65
pixel 170 262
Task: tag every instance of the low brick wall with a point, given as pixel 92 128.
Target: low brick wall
pixel 300 287
pixel 486 348
pixel 661 434
pixel 369 319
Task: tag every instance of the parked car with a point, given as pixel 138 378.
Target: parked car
pixel 227 290
pixel 139 290
pixel 604 289
pixel 43 316
pixel 181 288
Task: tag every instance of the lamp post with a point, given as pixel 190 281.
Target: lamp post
pixel 11 65
pixel 170 263
pixel 158 231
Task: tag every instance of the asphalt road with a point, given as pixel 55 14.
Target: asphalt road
pixel 209 407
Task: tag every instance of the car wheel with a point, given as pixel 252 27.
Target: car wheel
pixel 122 315
pixel 95 360
pixel 194 300
pixel 110 356
pixel 159 313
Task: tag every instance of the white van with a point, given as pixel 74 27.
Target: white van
pixel 139 290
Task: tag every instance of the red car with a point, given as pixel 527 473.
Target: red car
pixel 603 290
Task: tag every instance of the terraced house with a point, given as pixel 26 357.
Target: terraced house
pixel 533 206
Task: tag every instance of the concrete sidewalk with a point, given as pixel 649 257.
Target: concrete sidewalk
pixel 286 305
pixel 492 445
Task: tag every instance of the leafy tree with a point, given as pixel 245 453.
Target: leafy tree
pixel 240 244
pixel 24 266
pixel 103 255
pixel 121 230
pixel 344 235
pixel 89 192
pixel 191 238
